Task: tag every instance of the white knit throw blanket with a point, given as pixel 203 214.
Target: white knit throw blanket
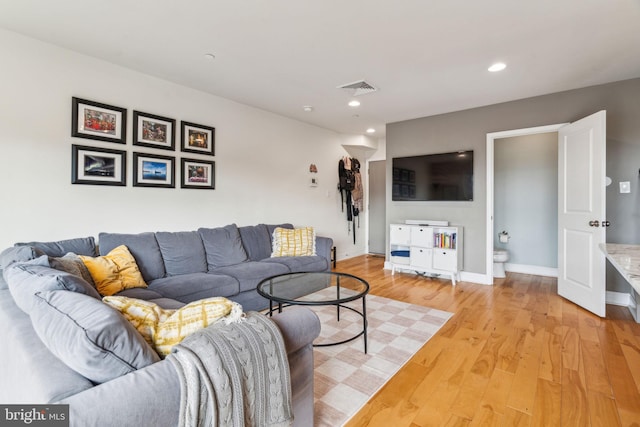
pixel 234 374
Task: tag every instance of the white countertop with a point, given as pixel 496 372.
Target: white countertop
pixel 626 259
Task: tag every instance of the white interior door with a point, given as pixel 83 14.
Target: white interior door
pixel 581 212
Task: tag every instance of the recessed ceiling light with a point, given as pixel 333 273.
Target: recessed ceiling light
pixel 307 108
pixel 354 103
pixel 209 56
pixel 498 66
pixel 371 130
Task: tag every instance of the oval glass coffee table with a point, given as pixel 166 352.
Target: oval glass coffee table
pixel 316 289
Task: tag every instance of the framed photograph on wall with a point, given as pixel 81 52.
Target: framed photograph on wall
pixel 93 120
pixel 197 174
pixel 197 138
pixel 98 166
pixel 150 170
pixel 154 131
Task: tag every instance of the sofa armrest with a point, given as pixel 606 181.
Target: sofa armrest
pixel 148 396
pixel 299 327
pixel 323 248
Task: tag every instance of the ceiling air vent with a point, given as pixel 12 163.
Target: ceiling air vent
pixel 359 88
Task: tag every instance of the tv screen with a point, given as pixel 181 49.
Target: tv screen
pixel 433 177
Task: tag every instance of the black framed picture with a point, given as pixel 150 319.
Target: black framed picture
pixel 151 170
pixel 154 131
pixel 94 120
pixel 197 174
pixel 197 138
pixel 98 166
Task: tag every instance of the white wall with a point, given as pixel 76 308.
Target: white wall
pixel 526 198
pixel 262 159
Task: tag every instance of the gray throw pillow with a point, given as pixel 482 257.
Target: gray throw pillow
pixel 223 246
pixel 88 336
pixel 25 279
pixel 72 264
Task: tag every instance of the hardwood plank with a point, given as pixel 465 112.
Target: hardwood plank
pixel 598 376
pixel 497 391
pixel 602 410
pixel 575 409
pixel 515 418
pixel 632 356
pixel 547 404
pixel 551 358
pixel 525 379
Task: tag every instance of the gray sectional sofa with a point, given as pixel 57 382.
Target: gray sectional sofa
pixel 63 345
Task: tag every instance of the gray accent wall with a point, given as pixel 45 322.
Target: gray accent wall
pixel 467 130
pixel 526 198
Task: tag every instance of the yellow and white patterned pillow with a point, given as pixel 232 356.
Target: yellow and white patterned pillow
pixel 294 242
pixel 164 328
pixel 115 271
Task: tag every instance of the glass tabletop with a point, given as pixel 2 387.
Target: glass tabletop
pixel 318 288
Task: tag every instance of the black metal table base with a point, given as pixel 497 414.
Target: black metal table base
pixel 363 314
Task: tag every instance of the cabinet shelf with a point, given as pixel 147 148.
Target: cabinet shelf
pixel 426 249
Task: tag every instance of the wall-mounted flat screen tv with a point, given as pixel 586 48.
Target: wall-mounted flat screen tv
pixel 433 177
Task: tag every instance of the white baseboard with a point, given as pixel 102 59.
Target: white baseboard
pixel 481 279
pixel 618 298
pixel 531 269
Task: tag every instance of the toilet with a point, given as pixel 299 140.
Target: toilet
pixel 500 256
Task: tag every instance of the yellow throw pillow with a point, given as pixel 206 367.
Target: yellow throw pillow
pixel 294 242
pixel 164 328
pixel 115 271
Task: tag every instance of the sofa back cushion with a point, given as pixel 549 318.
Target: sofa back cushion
pixel 223 246
pixel 88 336
pixel 18 254
pixel 80 246
pixel 143 247
pixel 256 241
pixel 26 279
pixel 182 252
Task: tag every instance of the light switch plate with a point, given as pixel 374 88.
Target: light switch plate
pixel 625 187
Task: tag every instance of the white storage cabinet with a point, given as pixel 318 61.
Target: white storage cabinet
pixel 426 249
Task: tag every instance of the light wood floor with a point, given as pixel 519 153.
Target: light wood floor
pixel 513 354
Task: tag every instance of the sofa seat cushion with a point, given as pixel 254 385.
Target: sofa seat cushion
pixel 195 286
pixel 301 264
pixel 140 293
pixel 250 273
pixel 88 336
pixel 164 328
pixel 167 303
pixel 114 271
pixel 80 246
pixel 144 248
pixel 25 279
pixel 223 246
pixel 256 241
pixel 182 252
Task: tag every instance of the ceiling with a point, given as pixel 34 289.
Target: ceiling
pixel 426 56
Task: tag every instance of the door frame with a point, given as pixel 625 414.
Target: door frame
pixel 491 137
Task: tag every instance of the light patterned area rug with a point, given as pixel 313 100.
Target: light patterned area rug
pixel 345 377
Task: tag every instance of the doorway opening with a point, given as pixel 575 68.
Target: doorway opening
pixel 491 160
